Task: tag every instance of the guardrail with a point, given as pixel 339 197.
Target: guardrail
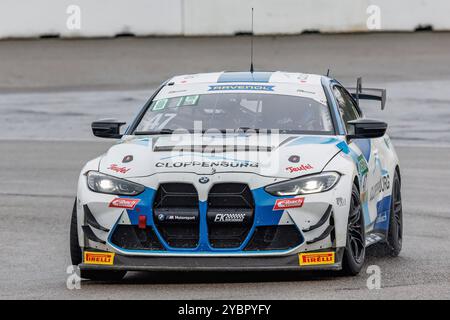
pixel 109 18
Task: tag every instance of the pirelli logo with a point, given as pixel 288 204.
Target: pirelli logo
pixel 316 258
pixel 104 258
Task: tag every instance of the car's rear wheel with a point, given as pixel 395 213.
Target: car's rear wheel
pixel 355 250
pixel 77 256
pixel 393 244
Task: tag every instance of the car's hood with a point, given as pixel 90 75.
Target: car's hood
pixel 283 156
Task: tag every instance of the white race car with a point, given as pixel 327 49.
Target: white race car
pixel 240 171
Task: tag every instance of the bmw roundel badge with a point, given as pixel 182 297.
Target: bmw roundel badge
pixel 203 180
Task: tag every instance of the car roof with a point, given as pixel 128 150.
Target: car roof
pixel 251 77
pixel 263 82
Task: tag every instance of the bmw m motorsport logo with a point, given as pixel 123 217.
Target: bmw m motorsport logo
pixel 174 218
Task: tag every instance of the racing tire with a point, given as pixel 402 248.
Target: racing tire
pixel 393 244
pixel 75 250
pixel 76 255
pixel 355 249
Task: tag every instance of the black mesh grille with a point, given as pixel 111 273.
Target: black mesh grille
pixel 176 214
pixel 132 238
pixel 230 214
pixel 176 195
pixel 230 195
pixel 274 238
pixel 227 236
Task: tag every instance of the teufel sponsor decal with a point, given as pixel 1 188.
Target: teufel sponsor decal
pixel 116 168
pixel 311 259
pixel 124 203
pixel 281 204
pixel 303 167
pixel 106 258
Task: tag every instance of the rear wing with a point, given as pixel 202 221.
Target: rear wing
pixel 368 93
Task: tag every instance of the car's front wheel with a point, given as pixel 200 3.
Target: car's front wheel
pixel 77 256
pixel 355 250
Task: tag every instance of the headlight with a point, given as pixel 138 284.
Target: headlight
pixel 103 183
pixel 305 185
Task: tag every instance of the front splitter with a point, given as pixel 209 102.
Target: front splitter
pixel 186 263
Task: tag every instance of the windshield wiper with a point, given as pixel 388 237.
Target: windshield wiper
pixel 234 130
pixel 171 131
pixel 148 133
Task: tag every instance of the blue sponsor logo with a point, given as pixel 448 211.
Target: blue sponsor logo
pixel 241 87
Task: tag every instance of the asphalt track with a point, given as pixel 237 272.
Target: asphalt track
pixel 52 89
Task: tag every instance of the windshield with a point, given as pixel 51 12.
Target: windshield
pixel 234 111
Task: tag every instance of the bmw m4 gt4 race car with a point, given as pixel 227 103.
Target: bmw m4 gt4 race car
pixel 240 171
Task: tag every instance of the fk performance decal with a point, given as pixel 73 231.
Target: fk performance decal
pixel 229 217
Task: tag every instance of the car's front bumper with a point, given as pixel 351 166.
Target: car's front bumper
pixel 211 263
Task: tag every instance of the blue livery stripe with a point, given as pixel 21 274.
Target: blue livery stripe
pixel 244 77
pixel 264 216
pixel 312 140
pixel 383 213
pixel 365 146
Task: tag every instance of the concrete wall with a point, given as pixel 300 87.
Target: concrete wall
pixel 106 18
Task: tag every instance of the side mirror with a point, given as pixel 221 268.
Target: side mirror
pixel 366 129
pixel 107 128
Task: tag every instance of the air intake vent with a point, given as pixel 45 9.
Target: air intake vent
pixel 230 214
pixel 274 238
pixel 176 215
pixel 132 238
